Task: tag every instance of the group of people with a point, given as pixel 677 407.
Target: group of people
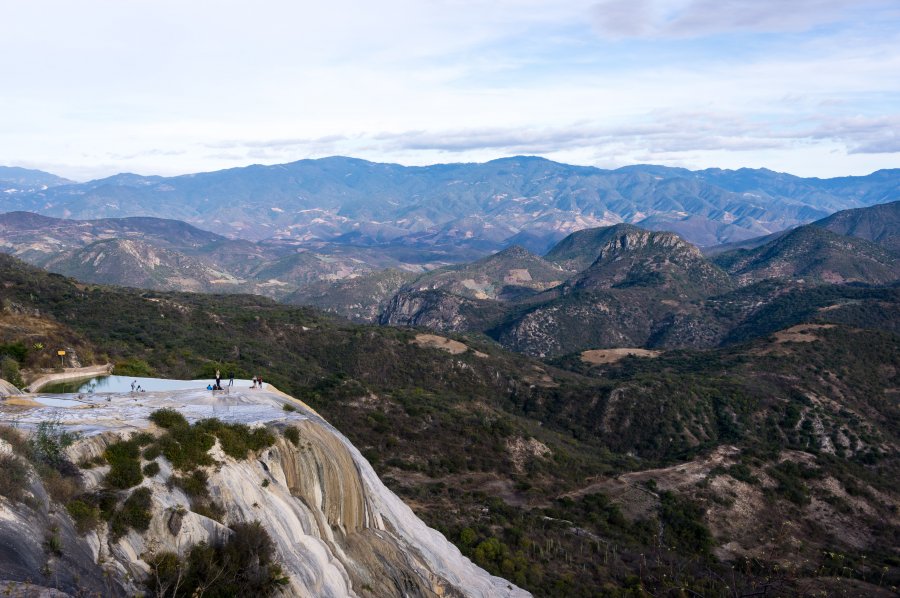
pixel 217 385
pixel 135 387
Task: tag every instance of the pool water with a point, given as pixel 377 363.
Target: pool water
pixel 123 384
pixel 59 402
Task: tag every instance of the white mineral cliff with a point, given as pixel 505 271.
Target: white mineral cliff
pixel 338 530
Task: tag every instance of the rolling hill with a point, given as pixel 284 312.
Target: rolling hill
pixel 813 254
pixel 675 469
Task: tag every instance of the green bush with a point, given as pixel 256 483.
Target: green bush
pixel 187 447
pixel 237 439
pixel 242 565
pixel 85 516
pixel 292 434
pixel 151 469
pixel 48 443
pixel 194 484
pixel 134 514
pixel 125 466
pixel 168 418
pixel 133 367
pixel 16 350
pixel 209 509
pixel 9 371
pixel 13 477
pixel 684 530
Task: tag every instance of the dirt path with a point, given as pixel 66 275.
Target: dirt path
pixel 69 374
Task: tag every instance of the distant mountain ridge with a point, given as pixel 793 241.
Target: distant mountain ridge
pixel 166 254
pixel 14 179
pixel 813 254
pixel 526 200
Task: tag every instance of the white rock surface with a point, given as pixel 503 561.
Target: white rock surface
pixel 337 529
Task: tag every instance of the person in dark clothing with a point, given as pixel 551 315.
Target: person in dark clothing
pixel 230 379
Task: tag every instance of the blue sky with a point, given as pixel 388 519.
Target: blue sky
pixel 96 87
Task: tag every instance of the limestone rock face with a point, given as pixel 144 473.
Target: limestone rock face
pixel 337 529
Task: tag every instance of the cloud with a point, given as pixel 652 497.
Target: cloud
pixel 862 135
pixel 697 18
pixel 659 132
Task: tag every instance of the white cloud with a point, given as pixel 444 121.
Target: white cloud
pixel 99 86
pixel 694 18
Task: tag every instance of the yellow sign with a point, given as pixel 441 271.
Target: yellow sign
pixel 60 353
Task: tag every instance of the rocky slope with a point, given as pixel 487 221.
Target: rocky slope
pixel 161 254
pixel 337 530
pixel 813 255
pixel 621 286
pixel 879 224
pixel 506 275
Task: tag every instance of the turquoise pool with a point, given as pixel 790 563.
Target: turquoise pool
pixel 123 384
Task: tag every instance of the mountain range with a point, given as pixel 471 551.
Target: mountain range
pixel 622 286
pixel 167 254
pixel 483 207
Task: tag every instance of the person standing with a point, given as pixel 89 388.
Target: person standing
pixel 218 380
pixel 230 379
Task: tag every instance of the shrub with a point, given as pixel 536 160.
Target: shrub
pixel 9 371
pixel 151 469
pixel 134 514
pixel 292 434
pixel 85 516
pixel 91 463
pixel 210 509
pixel 133 367
pixel 125 466
pixel 741 472
pixel 683 524
pixel 186 448
pixel 13 477
pixel 242 565
pixel 62 488
pixel 289 408
pixel 194 485
pixel 53 543
pixel 18 442
pixel 152 452
pixel 47 444
pixel 168 418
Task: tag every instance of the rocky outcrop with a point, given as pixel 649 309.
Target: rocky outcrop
pixel 441 311
pixel 338 531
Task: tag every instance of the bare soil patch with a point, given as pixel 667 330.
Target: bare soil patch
pixel 802 333
pixel 433 341
pixel 604 356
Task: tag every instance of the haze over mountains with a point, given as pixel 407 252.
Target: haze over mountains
pixel 522 200
pixel 570 394
pixel 607 286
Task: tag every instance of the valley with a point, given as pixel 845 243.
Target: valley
pixel 557 475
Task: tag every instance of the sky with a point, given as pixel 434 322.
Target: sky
pixel 96 87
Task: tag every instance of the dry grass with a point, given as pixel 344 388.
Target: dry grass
pixel 803 333
pixel 433 341
pixel 605 356
pixel 15 438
